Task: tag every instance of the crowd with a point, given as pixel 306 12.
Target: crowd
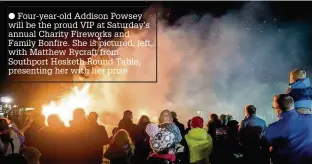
pixel 222 140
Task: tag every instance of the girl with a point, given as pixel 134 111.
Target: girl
pixel 121 148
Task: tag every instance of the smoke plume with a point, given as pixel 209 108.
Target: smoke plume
pixel 209 64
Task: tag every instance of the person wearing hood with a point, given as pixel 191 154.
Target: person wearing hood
pixel 300 90
pixel 199 142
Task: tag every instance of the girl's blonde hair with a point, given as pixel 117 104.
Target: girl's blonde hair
pixel 121 138
pixel 165 117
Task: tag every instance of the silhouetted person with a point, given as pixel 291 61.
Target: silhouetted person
pixel 78 139
pixel 213 125
pixel 98 140
pixel 142 147
pixel 176 121
pixel 14 159
pixel 223 119
pixel 54 137
pixel 188 127
pixel 121 149
pixel 113 133
pixel 250 131
pixel 291 136
pixel 127 124
pixel 55 124
pixel 31 154
pixel 232 144
pixel 95 127
pixel 251 119
pixel 143 121
pixel 79 122
pixel 32 135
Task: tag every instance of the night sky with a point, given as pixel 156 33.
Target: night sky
pixel 28 94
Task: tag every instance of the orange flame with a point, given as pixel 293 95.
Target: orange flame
pixel 64 108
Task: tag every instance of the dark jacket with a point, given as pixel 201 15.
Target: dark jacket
pixel 250 131
pixel 142 148
pixel 180 126
pixel 131 128
pixel 291 137
pixel 301 92
pixel 119 154
pixel 253 121
pixel 161 159
pixel 212 128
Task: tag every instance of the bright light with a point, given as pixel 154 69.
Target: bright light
pixel 199 112
pixel 155 119
pixel 14 106
pixel 78 98
pixel 6 100
pixel 142 112
pixel 29 109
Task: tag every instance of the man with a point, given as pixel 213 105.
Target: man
pixel 179 125
pixel 79 122
pixel 250 132
pixel 55 125
pixel 97 141
pixel 96 128
pixel 78 133
pixel 290 137
pixel 251 119
pixel 53 137
pixel 127 124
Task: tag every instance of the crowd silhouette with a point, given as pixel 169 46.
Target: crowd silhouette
pixel 222 140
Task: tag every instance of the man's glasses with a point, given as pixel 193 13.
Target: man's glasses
pixel 274 107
